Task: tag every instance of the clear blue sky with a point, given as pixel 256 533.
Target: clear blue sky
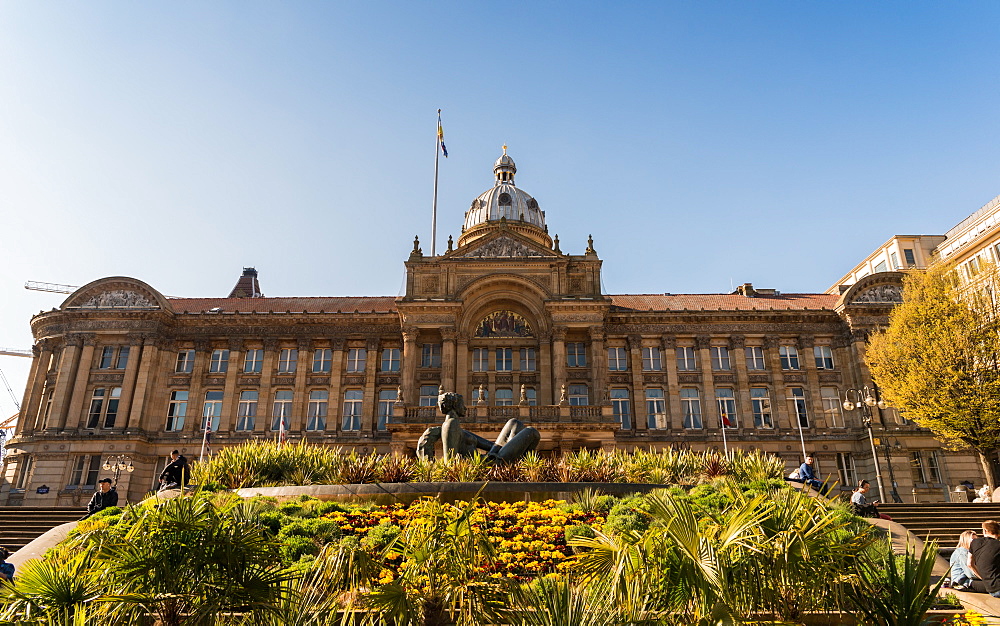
pixel 702 143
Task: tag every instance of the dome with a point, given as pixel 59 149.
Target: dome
pixel 504 200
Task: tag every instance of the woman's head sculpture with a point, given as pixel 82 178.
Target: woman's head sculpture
pixel 452 402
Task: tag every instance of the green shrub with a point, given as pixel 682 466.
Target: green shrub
pixel 580 530
pixel 629 514
pixel 329 507
pixel 291 508
pixel 292 548
pixel 379 537
pixel 708 498
pixel 272 520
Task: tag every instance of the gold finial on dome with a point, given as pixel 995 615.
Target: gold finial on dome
pixel 505 148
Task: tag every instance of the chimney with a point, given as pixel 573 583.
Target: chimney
pixel 247 286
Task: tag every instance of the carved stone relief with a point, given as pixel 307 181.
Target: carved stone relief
pixel 120 298
pixel 892 294
pixel 503 247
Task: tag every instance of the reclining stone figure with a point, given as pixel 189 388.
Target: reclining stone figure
pixel 515 439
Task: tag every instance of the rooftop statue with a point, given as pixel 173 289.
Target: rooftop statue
pixel 514 441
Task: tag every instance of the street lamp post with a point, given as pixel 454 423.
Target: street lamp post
pixel 864 400
pixel 119 464
pixel 887 449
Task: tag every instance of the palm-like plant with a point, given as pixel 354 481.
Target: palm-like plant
pixel 56 587
pixel 896 591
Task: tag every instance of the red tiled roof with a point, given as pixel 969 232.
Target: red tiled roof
pixel 361 304
pixel 722 301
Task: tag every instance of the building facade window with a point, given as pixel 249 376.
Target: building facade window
pixel 430 355
pixel 789 356
pixel 281 410
pixel 824 357
pixel 933 467
pixel 220 362
pixel 831 407
pixel 288 359
pixel 322 359
pixel 911 260
pixel 576 354
pixel 579 395
pixel 760 404
pixel 480 359
pixel 253 361
pixel 686 361
pixel 656 409
pixel 23 475
pixel 113 358
pixel 107 358
pixel 528 360
pixel 85 471
pixel 621 406
pixel 503 397
pixel 246 411
pixel 917 465
pixel 505 359
pixel 894 259
pixel 845 467
pixel 617 360
pixel 651 361
pixel 185 362
pixel 104 407
pixel 726 400
pixel 177 410
pixel 798 401
pixel 926 467
pixel 357 360
pixel 353 399
pixel 386 402
pixel 691 408
pixel 390 359
pixel 720 359
pixel 755 358
pixel 429 395
pixel 122 361
pixel 531 396
pixel 316 411
pixel 211 411
pixel 881 266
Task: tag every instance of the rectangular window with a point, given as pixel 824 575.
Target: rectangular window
pixel 691 406
pixel 579 395
pixel 651 361
pixel 220 362
pixel 720 359
pixel 281 410
pixel 527 359
pixel 622 407
pixel 881 266
pixel 760 403
pixel 755 358
pixel 530 396
pixel 96 407
pixel 617 359
pixel 789 357
pixel 353 399
pixel 933 467
pixel 322 357
pixel 177 410
pixel 253 361
pixel 185 362
pixel 917 465
pixel 846 469
pixel 107 358
pixel 430 355
pixel 357 359
pixel 505 359
pixel 685 359
pixel 288 359
pixel 23 472
pixel 480 359
pixel 111 411
pixel 726 399
pixel 503 397
pixel 909 258
pixel 576 355
pixel 246 411
pixel 122 361
pixel 86 470
pixel 831 407
pixel 656 409
pixel 316 411
pixel 798 400
pixel 824 357
pixel 386 402
pixel 894 260
pixel 429 395
pixel 212 410
pixel 390 359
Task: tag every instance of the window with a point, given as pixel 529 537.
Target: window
pixel 798 399
pixel 917 465
pixel 824 357
pixel 894 261
pixel 96 407
pixel 386 402
pixel 579 395
pixel 503 397
pixel 972 267
pixel 390 359
pixel 527 359
pixel 476 390
pixel 755 358
pixel 505 359
pixel 881 266
pixel 104 403
pixel 933 467
pixel 316 411
pixel 185 362
pixel 357 359
pixel 177 410
pixel 246 411
pixel 85 471
pixel 122 361
pixel 760 404
pixel 429 395
pixel 651 361
pixel 846 469
pixel 281 410
pixel 621 406
pixel 831 407
pixel 909 258
pixel 480 359
pixel 617 359
pixel 720 358
pixel 726 399
pixel 23 472
pixel 322 357
pixel 685 359
pixel 253 361
pixel 691 407
pixel 220 362
pixel 107 358
pixel 212 410
pixel 530 396
pixel 789 357
pixel 926 467
pixel 656 409
pixel 576 355
pixel 353 399
pixel 287 360
pixel 430 355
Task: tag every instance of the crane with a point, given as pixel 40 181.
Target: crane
pixel 34 285
pixel 13 352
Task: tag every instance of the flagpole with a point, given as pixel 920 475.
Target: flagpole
pixel 725 444
pixel 434 211
pixel 204 438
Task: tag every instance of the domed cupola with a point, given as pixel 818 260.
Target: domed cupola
pixel 506 202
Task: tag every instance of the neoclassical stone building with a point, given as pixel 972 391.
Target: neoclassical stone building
pixel 506 318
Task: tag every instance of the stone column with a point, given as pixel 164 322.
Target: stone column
pixel 779 401
pixel 544 369
pixel 672 391
pixel 194 421
pixel 301 393
pixel 369 406
pixel 709 407
pixel 336 380
pixel 136 353
pixel 142 378
pixel 36 385
pixel 410 359
pixel 231 399
pixel 598 364
pixel 72 416
pixel 814 400
pixel 462 365
pixel 265 404
pixel 635 371
pixel 738 361
pixel 558 360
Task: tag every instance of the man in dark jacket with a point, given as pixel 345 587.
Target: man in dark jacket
pixel 176 473
pixel 104 497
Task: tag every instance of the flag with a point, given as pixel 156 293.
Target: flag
pixel 444 150
pixel 282 431
pixel 206 441
pixel 726 422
